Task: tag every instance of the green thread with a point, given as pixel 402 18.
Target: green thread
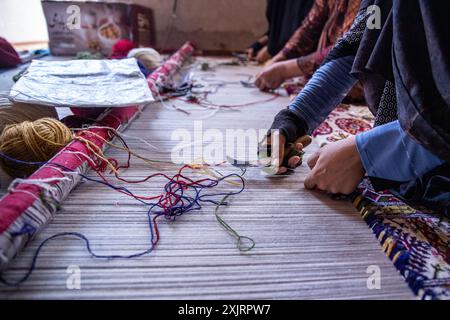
pixel 240 240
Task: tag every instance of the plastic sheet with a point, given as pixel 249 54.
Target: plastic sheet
pixel 83 83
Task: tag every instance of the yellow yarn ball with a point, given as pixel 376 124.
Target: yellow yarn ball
pixel 32 141
pixel 16 112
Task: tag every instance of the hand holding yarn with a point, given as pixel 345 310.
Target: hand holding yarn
pixel 273 76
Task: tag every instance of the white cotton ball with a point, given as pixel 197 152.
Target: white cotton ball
pixel 149 57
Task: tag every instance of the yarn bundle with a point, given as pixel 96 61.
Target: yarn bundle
pixel 16 112
pixel 150 58
pixel 121 48
pixel 8 55
pixel 32 141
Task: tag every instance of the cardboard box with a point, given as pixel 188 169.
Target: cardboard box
pixel 75 26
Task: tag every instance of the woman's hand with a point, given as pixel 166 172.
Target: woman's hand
pixel 272 77
pixel 279 57
pixel 281 156
pixel 263 55
pixel 336 168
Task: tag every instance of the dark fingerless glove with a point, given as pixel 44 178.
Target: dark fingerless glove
pixel 290 125
pixel 257 46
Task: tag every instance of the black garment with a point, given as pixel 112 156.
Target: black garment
pixel 431 191
pixel 421 66
pixel 284 17
pixel 416 57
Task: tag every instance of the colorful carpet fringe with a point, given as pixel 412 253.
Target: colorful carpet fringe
pixel 417 242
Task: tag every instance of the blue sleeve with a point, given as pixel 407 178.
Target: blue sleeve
pixel 387 152
pixel 324 91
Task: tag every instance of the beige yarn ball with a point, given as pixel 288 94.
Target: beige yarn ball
pixel 149 57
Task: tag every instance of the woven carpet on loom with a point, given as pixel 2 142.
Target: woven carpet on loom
pixel 417 242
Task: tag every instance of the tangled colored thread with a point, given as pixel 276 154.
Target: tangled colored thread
pixel 181 194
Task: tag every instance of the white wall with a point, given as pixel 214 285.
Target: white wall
pixel 22 21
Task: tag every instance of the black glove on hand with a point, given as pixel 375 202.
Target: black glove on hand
pixel 257 46
pixel 290 125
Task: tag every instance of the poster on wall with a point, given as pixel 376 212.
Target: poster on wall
pixel 75 26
